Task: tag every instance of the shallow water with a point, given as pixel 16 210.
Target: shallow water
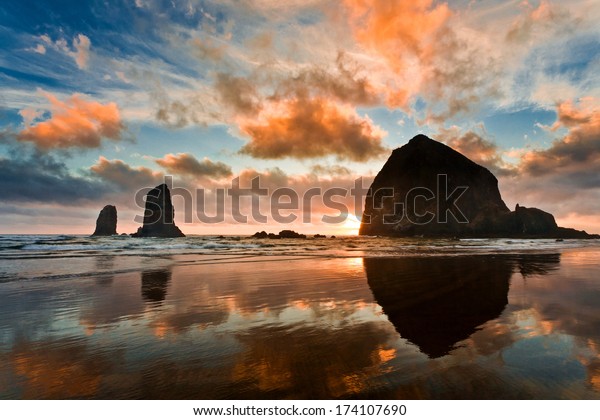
pixel 208 317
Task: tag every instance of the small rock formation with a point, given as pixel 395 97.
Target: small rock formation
pixel 319 236
pixel 106 224
pixel 159 215
pixel 290 234
pixel 285 234
pixel 429 189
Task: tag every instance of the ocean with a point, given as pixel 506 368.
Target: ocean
pixel 213 317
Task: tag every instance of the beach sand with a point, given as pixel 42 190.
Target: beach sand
pixel 284 321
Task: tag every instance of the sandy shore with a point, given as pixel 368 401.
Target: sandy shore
pixel 296 326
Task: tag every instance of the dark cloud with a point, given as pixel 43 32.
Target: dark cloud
pixel 186 164
pixel 124 176
pixel 477 148
pixel 41 178
pixel 331 170
pixel 578 151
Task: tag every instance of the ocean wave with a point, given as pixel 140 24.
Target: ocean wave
pixel 33 246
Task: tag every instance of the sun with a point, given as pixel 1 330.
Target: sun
pixel 350 225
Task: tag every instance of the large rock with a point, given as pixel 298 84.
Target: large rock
pixel 429 189
pixel 106 224
pixel 159 215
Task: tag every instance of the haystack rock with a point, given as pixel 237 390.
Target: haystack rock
pixel 106 224
pixel 159 215
pixel 429 189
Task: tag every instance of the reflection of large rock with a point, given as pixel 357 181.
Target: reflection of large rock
pixel 159 215
pixel 154 285
pixel 436 302
pixel 106 224
pixel 427 188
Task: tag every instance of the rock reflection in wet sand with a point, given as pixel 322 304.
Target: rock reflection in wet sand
pixel 437 302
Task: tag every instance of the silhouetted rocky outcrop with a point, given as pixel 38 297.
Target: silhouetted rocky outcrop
pixel 429 189
pixel 290 234
pixel 159 215
pixel 285 234
pixel 106 224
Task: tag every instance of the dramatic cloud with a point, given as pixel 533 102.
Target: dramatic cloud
pixel 579 149
pixel 186 164
pixel 124 176
pixel 564 178
pixel 40 178
pixel 393 28
pixel 404 33
pixel 312 127
pixel 73 123
pixel 476 147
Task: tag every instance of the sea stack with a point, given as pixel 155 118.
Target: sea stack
pixel 159 215
pixel 429 189
pixel 106 224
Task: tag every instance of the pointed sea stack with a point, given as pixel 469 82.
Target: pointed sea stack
pixel 429 189
pixel 106 224
pixel 159 215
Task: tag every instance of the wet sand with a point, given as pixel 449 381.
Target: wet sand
pixel 211 326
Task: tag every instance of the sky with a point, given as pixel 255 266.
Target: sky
pixel 102 100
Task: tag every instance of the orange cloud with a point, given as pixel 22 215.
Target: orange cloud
pixel 404 33
pixel 396 28
pixel 186 164
pixel 427 54
pixel 578 149
pixel 74 123
pixel 312 127
pixel 568 115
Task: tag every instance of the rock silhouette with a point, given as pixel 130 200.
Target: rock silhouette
pixel 427 188
pixel 436 302
pixel 106 224
pixel 284 234
pixel 159 215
